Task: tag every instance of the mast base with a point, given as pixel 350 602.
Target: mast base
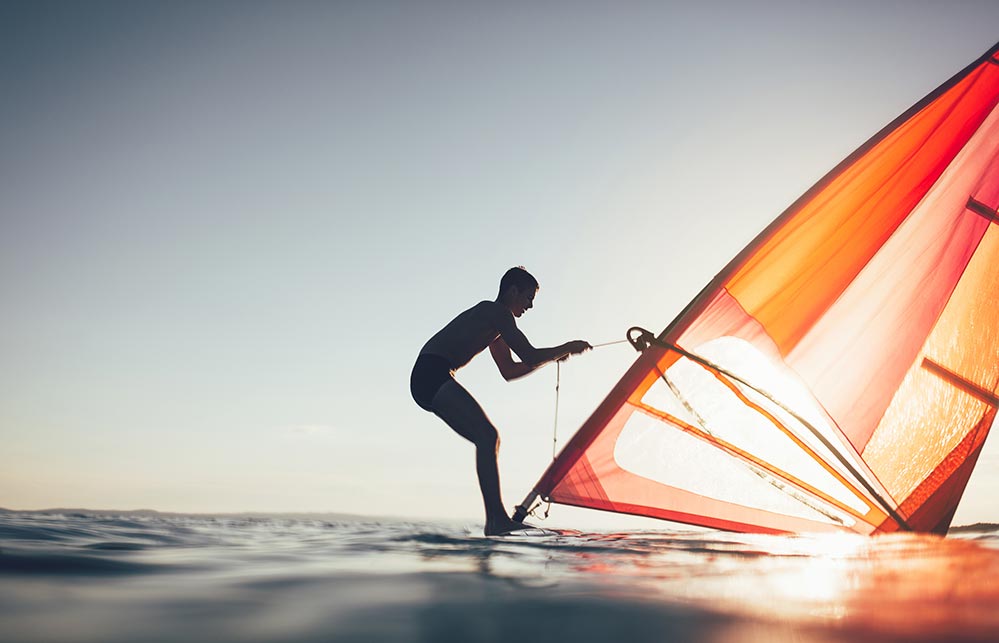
pixel 520 511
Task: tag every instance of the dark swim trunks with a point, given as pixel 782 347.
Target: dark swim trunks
pixel 429 374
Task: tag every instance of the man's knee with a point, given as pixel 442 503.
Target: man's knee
pixel 488 439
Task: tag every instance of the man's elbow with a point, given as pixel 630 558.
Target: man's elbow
pixel 515 371
pixel 513 374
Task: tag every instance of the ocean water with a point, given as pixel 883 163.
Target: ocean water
pixel 76 575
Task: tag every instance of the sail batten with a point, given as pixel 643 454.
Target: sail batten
pixel 967 386
pixel 978 207
pixel 863 324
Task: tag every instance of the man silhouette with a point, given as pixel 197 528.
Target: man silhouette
pixel 492 324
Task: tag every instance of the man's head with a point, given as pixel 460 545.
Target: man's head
pixel 517 290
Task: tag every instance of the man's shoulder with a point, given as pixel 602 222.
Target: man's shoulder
pixel 493 310
pixel 487 304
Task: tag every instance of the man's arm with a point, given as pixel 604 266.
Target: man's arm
pixel 509 369
pixel 513 339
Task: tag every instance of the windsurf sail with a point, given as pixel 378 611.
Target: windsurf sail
pixel 841 372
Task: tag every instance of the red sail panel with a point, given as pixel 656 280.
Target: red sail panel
pixel 844 366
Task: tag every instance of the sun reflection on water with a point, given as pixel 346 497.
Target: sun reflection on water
pixel 902 584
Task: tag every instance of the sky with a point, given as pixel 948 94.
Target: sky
pixel 226 229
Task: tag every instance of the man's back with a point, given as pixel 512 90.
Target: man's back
pixel 469 333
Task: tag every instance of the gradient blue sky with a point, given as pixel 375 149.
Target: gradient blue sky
pixel 227 229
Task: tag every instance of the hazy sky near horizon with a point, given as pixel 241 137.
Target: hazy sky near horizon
pixel 226 229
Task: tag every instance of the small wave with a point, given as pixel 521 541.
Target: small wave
pixel 117 546
pixel 58 564
pixel 88 530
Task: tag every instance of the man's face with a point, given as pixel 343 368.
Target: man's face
pixel 523 301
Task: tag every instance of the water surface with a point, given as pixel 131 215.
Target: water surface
pixel 142 576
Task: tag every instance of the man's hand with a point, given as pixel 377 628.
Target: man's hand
pixel 576 347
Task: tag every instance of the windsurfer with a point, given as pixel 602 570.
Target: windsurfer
pixel 492 324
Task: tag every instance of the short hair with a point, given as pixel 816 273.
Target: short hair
pixel 519 277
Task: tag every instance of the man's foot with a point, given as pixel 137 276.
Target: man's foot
pixel 504 526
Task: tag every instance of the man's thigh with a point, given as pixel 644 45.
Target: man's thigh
pixel 461 412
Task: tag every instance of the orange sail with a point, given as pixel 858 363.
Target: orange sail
pixel 841 372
